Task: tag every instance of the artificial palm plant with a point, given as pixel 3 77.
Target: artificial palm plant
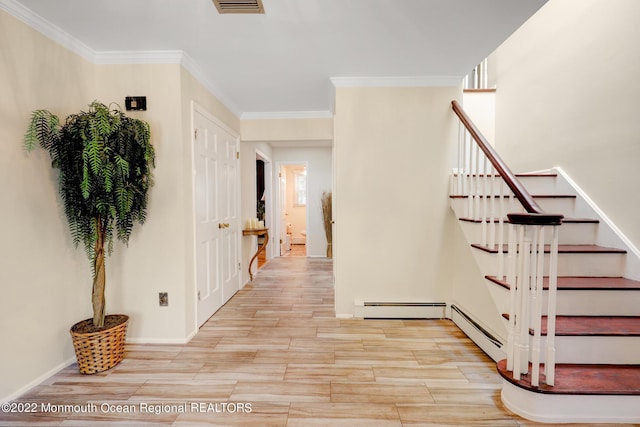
pixel 105 163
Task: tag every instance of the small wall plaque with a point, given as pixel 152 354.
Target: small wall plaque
pixel 136 103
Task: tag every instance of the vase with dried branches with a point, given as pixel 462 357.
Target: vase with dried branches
pixel 328 221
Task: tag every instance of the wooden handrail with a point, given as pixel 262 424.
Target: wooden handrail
pixel 509 177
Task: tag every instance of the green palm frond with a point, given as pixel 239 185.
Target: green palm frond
pixel 44 129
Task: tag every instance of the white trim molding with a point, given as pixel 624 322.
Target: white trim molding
pixel 633 263
pixel 47 28
pixel 286 115
pixel 407 81
pixel 139 57
pixel 37 381
pixel 71 43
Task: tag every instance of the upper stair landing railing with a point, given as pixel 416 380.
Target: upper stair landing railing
pixel 478 78
pixel 491 190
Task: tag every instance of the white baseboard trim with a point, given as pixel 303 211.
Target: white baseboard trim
pixel 37 381
pixel 160 340
pixel 555 408
pixel 477 333
pixel 344 316
pixel 399 310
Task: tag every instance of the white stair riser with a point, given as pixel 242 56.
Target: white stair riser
pixel 533 184
pixel 598 265
pixel 596 303
pixel 579 303
pixel 594 349
pixel 569 233
pixel 540 184
pixel 564 206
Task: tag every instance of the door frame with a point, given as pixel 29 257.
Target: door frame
pixel 278 216
pixel 195 107
pixel 268 198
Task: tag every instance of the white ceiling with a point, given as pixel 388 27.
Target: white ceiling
pixel 283 61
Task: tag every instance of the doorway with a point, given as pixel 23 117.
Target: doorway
pixel 263 202
pixel 293 209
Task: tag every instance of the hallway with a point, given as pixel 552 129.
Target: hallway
pixel 277 356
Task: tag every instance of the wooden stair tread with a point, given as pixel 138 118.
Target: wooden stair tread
pixel 519 175
pixel 583 283
pixel 506 220
pixel 581 379
pixel 593 326
pixel 563 249
pixel 535 196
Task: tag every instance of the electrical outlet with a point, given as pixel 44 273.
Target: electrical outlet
pixel 163 299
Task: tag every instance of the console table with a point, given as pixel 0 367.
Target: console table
pixel 257 232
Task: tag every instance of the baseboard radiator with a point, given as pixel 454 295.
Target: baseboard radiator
pixel 484 339
pixel 400 310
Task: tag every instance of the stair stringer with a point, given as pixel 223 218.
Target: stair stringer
pixel 471 279
pixel 608 233
pixel 473 297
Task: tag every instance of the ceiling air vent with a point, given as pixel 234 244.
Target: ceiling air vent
pixel 239 6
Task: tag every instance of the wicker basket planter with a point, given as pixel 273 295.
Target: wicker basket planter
pixel 103 349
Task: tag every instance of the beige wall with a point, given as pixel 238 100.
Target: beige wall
pixel 567 95
pixel 297 129
pixel 46 282
pixel 154 260
pixel 394 149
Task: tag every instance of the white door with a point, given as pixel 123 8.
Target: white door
pixel 216 215
pixel 229 190
pixel 282 173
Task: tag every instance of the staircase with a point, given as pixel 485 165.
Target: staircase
pixel 591 298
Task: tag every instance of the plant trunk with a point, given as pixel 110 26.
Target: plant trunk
pixel 97 296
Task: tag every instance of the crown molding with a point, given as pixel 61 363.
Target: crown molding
pixel 139 57
pixel 48 29
pixel 71 43
pixel 409 81
pixel 286 115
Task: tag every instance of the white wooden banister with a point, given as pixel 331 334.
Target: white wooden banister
pixel 492 192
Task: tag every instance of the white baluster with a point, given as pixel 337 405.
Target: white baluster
pixel 501 273
pixel 478 178
pixel 550 362
pixel 521 331
pixel 461 168
pixel 468 164
pixel 485 69
pixel 472 180
pixel 536 283
pixel 485 198
pixel 492 208
pixel 511 280
pixel 525 250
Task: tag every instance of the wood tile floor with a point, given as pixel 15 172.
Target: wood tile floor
pixel 275 355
